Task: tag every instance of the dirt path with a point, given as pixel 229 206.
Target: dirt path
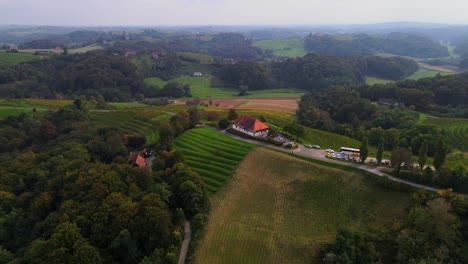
pixel 185 244
pixel 321 155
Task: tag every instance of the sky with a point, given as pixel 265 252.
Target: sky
pixel 229 12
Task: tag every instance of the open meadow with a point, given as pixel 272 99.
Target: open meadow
pixel 9 59
pixel 279 209
pixel 213 155
pixel 283 47
pixel 201 87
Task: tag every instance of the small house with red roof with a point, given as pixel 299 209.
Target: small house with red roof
pixel 250 126
pixel 136 159
pixel 155 55
pixel 130 53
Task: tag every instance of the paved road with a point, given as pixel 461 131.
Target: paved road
pixel 185 244
pixel 321 155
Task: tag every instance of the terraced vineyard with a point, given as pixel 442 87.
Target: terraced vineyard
pixel 279 209
pixel 456 129
pixel 134 123
pixel 213 155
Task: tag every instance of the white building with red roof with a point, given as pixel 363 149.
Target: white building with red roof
pixel 250 126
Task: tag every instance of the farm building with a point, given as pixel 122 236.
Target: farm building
pixel 390 102
pixel 197 74
pixel 250 126
pixel 130 53
pixel 155 55
pixel 136 159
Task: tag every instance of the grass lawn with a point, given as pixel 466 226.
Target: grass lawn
pixel 213 155
pixel 12 111
pixel 9 59
pixel 279 209
pixel 200 87
pixel 374 80
pixel 285 47
pixel 422 73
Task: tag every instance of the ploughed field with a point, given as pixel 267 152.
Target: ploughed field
pixel 279 209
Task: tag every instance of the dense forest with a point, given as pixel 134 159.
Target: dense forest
pixel 314 71
pixel 226 45
pixel 69 195
pixel 403 44
pixel 90 74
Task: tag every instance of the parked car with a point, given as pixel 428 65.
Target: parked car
pixel 330 151
pixel 308 146
pixel 333 155
pixel 328 155
pixel 316 146
pixel 338 156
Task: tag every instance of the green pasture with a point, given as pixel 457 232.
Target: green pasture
pixel 9 59
pixel 201 87
pixel 422 73
pixel 213 155
pixel 285 47
pixel 280 209
pixel 374 80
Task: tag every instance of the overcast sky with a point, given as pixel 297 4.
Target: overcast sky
pixel 229 12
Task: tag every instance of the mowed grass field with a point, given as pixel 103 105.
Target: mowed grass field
pixel 422 73
pixel 456 130
pixel 285 47
pixel 9 59
pixel 213 155
pixel 201 87
pixel 279 209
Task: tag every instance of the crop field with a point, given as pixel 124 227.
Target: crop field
pixel 9 59
pixel 456 129
pixel 12 111
pixel 213 155
pixel 286 47
pixel 120 105
pixel 288 105
pixel 279 209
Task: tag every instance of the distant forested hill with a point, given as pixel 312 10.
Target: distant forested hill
pixel 226 45
pixel 92 73
pixel 404 44
pixel 314 71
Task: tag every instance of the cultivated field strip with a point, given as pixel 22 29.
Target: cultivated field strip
pixel 213 155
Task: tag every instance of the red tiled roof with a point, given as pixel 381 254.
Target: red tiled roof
pixel 136 159
pixel 250 123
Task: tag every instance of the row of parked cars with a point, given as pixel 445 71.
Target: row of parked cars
pixel 312 146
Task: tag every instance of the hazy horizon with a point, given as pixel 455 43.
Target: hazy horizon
pixel 229 12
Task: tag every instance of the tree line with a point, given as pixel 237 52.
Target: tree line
pixel 313 71
pixel 398 43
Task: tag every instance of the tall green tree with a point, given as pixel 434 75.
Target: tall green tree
pixel 440 154
pixel 364 149
pixel 380 149
pixel 396 143
pixel 423 154
pixel 232 115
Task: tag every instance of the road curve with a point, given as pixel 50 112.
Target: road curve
pixel 321 155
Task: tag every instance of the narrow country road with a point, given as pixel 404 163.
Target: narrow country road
pixel 321 155
pixel 185 244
